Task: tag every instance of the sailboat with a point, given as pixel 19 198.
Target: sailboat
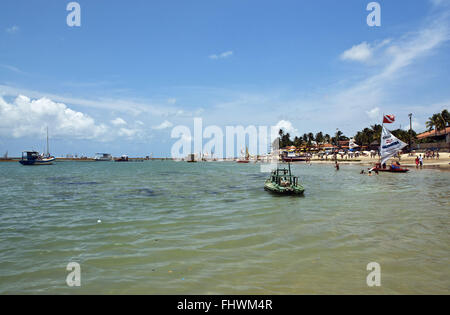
pixel 247 157
pixel 34 158
pixel 353 145
pixel 389 147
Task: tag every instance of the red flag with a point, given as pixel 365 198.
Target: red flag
pixel 388 119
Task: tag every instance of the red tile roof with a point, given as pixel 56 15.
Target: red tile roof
pixel 327 145
pixel 433 133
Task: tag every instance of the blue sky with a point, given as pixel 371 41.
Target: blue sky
pixel 135 69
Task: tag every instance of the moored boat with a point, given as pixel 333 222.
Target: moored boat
pixel 34 158
pixel 282 182
pixel 291 157
pixel 294 159
pixel 191 158
pixel 244 159
pixel 103 157
pixel 123 158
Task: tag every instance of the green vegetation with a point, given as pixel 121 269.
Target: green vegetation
pixel 439 121
pixel 308 139
pixel 367 136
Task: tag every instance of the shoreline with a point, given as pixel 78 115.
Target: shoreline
pixel 408 161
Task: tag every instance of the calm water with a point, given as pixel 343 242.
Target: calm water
pixel 210 228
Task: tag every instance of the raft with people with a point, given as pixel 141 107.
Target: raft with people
pixel 389 148
pixel 394 168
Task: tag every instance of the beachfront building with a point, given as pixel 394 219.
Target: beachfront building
pixel 434 140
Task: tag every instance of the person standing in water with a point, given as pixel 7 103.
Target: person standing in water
pixel 421 161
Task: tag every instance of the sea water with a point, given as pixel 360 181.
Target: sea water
pixel 163 227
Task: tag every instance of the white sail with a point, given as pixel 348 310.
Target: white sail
pixel 353 144
pixel 390 145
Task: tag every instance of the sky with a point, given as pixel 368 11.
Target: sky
pixel 134 70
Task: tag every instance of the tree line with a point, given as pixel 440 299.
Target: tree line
pixel 365 137
pixel 309 138
pixel 439 121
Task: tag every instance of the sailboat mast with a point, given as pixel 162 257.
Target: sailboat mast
pixel 48 150
pixel 381 139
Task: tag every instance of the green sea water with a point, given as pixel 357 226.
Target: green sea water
pixel 210 228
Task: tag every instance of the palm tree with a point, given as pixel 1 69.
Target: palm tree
pixel 327 138
pixel 368 136
pixel 434 122
pixel 319 138
pixel 440 122
pixel 298 142
pixel 310 138
pixel 446 116
pixel 430 123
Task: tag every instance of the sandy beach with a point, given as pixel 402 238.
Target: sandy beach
pixel 406 160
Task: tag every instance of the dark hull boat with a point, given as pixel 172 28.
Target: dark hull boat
pixel 294 159
pixel 388 170
pixel 123 158
pixel 38 162
pixel 33 158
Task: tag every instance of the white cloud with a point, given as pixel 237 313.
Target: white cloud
pixel 28 118
pixel 13 29
pixel 393 57
pixel 118 122
pixel 12 68
pixel 361 52
pixel 287 127
pixel 164 125
pixel 440 2
pixel 123 105
pixel 223 55
pixel 126 132
pixel 364 52
pixel 374 113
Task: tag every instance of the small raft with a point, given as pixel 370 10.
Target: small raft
pixel 395 168
pixel 389 170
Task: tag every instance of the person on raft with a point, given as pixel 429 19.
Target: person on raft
pixel 395 166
